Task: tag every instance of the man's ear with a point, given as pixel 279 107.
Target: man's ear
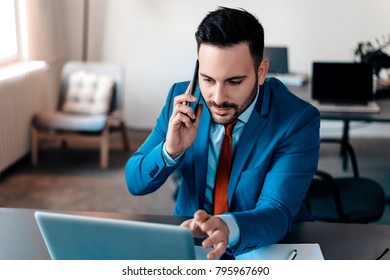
pixel 262 71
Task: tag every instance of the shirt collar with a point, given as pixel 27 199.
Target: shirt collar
pixel 244 116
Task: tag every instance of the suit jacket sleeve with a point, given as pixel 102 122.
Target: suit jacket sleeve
pixel 288 174
pixel 146 170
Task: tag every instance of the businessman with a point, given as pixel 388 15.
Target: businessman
pixel 246 154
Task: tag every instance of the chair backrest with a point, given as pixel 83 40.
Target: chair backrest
pixel 115 71
pixel 348 199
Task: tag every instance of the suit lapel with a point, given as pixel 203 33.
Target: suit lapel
pixel 249 137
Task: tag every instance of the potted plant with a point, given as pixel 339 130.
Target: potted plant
pixel 373 54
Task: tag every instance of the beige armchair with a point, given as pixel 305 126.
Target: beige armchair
pixel 89 108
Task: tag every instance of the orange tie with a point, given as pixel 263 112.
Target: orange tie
pixel 221 204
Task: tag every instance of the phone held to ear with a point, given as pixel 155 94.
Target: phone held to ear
pixel 193 91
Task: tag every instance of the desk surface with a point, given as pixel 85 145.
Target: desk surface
pixel 383 116
pixel 20 237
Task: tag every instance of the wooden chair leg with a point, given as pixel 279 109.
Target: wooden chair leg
pixel 104 148
pixel 125 138
pixel 34 146
pixel 64 144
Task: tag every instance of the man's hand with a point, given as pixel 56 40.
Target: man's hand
pixel 213 228
pixel 182 129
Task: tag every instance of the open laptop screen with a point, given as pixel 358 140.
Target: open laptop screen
pixel 74 237
pixel 342 82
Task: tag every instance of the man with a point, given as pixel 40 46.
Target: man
pixel 275 143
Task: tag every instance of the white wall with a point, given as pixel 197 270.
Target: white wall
pixel 73 11
pixel 154 39
pixel 42 38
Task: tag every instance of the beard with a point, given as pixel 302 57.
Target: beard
pixel 237 110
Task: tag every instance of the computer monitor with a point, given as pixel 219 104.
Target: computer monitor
pixel 278 59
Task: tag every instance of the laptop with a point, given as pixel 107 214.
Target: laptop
pixel 278 66
pixel 343 87
pixel 74 237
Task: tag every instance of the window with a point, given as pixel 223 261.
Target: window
pixel 8 35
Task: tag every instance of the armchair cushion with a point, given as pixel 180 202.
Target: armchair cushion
pixel 69 122
pixel 88 93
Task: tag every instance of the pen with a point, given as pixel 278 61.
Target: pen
pixel 384 253
pixel 293 254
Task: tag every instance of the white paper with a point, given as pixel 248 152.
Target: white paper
pixel 305 251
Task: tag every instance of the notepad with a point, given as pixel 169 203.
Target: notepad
pixel 305 251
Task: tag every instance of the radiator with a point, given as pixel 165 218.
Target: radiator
pixel 23 91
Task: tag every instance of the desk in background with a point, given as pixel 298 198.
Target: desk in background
pixel 20 238
pixel 347 118
pixel 382 117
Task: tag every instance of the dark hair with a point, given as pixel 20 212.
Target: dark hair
pixel 226 27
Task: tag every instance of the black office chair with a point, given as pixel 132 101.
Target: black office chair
pixel 348 199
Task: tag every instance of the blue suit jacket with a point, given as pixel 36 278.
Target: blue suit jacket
pixel 273 166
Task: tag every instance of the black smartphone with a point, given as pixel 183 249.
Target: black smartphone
pixel 193 91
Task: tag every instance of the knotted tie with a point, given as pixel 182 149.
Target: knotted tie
pixel 221 204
